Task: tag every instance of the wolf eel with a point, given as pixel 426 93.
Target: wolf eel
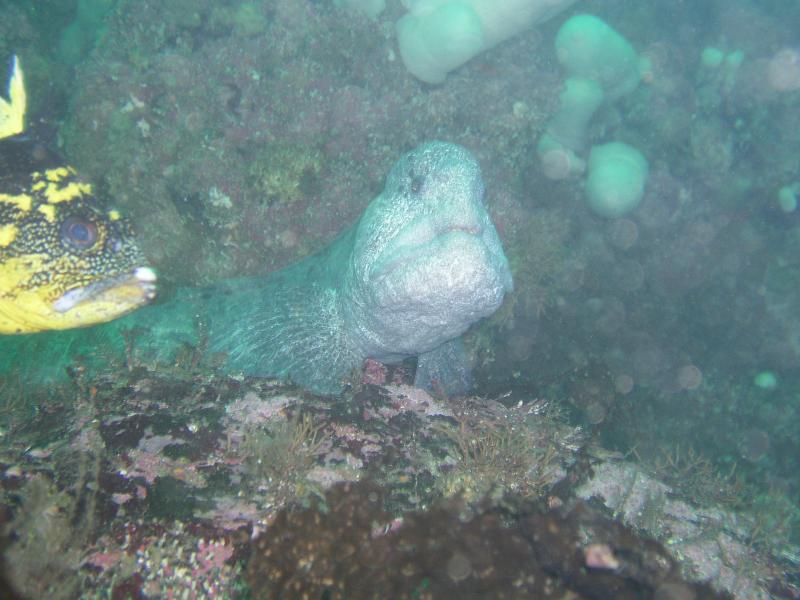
pixel 422 264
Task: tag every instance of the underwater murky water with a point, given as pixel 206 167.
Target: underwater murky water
pixel 338 392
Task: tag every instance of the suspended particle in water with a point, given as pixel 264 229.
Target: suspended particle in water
pixel 459 567
pixel 623 383
pixel 783 70
pixel 690 377
pixel 595 412
pixel 623 233
pixel 754 444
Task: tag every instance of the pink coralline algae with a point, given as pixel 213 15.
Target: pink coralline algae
pixel 156 443
pixel 150 466
pixel 210 555
pixel 104 560
pixel 414 399
pixel 374 372
pixel 121 498
pixel 252 409
pixel 232 514
pixel 600 556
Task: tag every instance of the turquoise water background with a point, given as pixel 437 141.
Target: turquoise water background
pixel 243 136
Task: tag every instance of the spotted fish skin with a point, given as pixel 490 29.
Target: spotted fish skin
pixel 65 259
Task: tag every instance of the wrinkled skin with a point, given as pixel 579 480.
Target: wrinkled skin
pixel 422 264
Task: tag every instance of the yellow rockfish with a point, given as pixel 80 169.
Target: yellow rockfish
pixel 66 260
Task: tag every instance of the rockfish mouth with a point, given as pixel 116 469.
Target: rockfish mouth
pixel 125 292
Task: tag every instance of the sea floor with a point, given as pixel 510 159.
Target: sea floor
pixel 148 482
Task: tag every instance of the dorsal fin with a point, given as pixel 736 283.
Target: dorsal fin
pixel 12 111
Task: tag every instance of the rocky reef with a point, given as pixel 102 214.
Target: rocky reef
pixel 242 136
pixel 146 479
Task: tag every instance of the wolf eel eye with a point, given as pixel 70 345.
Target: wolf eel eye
pixel 417 181
pixel 79 232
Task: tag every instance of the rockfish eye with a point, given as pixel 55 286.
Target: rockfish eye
pixel 79 232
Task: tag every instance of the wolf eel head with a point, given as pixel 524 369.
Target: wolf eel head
pixel 427 261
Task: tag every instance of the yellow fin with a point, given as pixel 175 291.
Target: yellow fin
pixel 12 111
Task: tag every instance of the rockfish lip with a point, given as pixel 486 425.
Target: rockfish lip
pixel 127 291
